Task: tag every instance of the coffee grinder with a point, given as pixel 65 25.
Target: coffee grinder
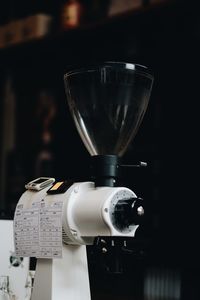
pixel 107 103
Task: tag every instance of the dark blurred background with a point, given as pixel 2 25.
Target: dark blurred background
pixel 39 42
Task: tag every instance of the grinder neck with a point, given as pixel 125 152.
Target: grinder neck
pixel 105 170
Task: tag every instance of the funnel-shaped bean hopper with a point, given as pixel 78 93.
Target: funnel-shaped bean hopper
pixel 108 102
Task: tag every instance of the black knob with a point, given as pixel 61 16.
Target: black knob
pixel 129 212
pixel 137 211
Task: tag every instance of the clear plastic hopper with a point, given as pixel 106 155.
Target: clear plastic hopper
pixel 108 102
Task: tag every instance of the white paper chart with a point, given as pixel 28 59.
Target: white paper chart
pixel 50 233
pixel 38 229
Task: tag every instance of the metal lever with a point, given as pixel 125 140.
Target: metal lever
pixel 141 164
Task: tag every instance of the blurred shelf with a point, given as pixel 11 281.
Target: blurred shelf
pixel 60 42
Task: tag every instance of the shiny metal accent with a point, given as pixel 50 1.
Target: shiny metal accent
pixel 140 211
